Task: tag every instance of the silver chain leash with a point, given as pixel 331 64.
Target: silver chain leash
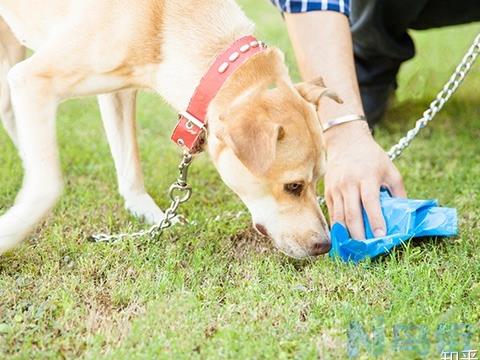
pixel 443 96
pixel 180 192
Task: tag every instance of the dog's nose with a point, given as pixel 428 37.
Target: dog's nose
pixel 321 247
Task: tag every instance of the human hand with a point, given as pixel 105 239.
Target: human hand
pixel 356 169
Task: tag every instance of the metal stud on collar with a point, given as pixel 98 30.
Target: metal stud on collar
pixel 222 68
pixel 234 56
pixel 245 48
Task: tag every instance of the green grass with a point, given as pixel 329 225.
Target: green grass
pixel 216 290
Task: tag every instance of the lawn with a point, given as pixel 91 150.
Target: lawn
pixel 214 289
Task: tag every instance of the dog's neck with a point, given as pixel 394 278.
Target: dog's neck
pixel 188 54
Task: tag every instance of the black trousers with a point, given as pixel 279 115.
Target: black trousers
pixel 381 41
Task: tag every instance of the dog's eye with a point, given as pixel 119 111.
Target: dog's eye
pixel 294 188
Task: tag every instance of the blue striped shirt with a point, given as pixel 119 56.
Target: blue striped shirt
pixel 295 6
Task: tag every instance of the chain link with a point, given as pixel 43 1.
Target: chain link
pixel 443 96
pixel 180 192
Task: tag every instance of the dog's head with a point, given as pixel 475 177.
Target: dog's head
pixel 266 142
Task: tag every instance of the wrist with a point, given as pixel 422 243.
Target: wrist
pixel 344 132
pixel 347 133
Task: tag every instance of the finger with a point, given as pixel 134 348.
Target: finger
pixel 329 200
pixel 337 213
pixel 394 182
pixel 353 213
pixel 371 202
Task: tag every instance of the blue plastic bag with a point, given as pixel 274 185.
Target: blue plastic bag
pixel 405 219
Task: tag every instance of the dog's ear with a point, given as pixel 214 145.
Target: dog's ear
pixel 313 91
pixel 254 142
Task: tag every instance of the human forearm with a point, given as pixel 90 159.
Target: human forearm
pixel 356 165
pixel 323 46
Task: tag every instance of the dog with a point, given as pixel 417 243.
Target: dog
pixel 264 135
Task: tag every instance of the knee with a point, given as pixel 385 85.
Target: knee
pixel 24 76
pixel 17 76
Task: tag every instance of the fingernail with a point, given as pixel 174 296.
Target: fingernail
pixel 379 233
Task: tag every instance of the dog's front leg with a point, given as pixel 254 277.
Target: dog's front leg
pixel 118 113
pixel 35 106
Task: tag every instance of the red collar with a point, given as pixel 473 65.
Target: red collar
pixel 189 132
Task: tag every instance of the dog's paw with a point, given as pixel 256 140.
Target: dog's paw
pixel 10 235
pixel 6 246
pixel 143 207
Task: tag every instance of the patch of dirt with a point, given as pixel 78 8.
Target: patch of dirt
pixel 248 241
pixel 210 331
pixel 112 321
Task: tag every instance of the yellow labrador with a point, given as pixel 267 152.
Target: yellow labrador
pixel 264 135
